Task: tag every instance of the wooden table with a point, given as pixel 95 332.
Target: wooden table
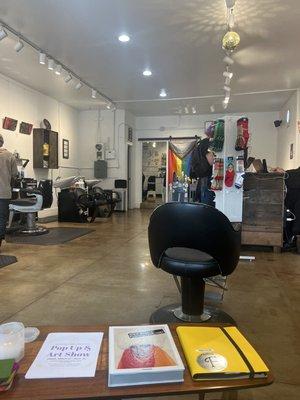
pixel 96 388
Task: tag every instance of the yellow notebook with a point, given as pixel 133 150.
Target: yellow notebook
pixel 217 353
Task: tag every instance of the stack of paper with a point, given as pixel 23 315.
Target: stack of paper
pixel 67 355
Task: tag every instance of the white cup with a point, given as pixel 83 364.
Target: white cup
pixel 12 341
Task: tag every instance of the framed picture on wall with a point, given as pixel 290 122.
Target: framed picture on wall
pixel 9 124
pixel 65 148
pixel 25 128
pixel 291 151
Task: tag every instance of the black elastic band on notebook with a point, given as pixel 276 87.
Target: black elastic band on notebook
pixel 240 351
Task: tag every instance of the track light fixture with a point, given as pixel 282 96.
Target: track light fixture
pixel 228 60
pixel 51 64
pixel 163 93
pixel 108 106
pixel 186 109
pixel 194 110
pixel 230 3
pixel 212 108
pixel 19 46
pixel 230 19
pixel 58 69
pixel 228 74
pixel 42 58
pixel 68 78
pixel 225 104
pixel 3 33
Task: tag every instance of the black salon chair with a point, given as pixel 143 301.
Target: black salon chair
pixel 193 241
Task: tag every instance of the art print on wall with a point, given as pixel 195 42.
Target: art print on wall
pixel 10 124
pixel 65 149
pixel 291 151
pixel 25 128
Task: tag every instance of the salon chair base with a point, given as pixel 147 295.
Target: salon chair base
pixel 167 315
pixel 38 230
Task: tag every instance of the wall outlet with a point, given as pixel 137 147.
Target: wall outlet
pixel 110 154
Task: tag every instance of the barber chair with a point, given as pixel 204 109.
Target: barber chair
pixel 194 242
pixel 29 205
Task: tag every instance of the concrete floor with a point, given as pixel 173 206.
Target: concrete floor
pixel 107 277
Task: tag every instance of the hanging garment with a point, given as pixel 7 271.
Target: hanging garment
pixel 242 134
pixel 218 141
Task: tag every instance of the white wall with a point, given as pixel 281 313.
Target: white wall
pixel 110 128
pixel 263 142
pixel 24 104
pixel 288 134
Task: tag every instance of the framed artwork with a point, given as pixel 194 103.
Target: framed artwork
pixel 291 151
pixel 25 128
pixel 9 124
pixel 65 148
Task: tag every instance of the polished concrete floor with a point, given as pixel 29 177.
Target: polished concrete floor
pixel 107 277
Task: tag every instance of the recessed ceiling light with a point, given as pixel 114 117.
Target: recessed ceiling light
pixel 124 38
pixel 147 72
pixel 163 93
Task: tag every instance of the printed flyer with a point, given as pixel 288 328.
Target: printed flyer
pixel 67 355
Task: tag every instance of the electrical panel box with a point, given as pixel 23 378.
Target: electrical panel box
pixel 100 169
pixel 110 154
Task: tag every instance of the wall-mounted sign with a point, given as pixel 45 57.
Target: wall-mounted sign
pixel 9 124
pixel 25 128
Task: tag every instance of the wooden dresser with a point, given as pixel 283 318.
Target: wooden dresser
pixel 263 209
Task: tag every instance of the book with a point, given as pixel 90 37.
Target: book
pixel 8 370
pixel 220 353
pixel 142 355
pixel 6 367
pixel 67 355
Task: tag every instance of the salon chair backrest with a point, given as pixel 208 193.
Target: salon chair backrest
pixel 45 187
pixel 195 226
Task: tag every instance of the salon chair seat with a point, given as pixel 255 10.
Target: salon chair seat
pixel 182 261
pixel 192 241
pixel 29 205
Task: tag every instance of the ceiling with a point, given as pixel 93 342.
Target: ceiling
pixel 178 40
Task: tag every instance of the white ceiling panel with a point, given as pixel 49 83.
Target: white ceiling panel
pixel 179 41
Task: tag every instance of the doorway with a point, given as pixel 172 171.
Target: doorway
pixel 154 167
